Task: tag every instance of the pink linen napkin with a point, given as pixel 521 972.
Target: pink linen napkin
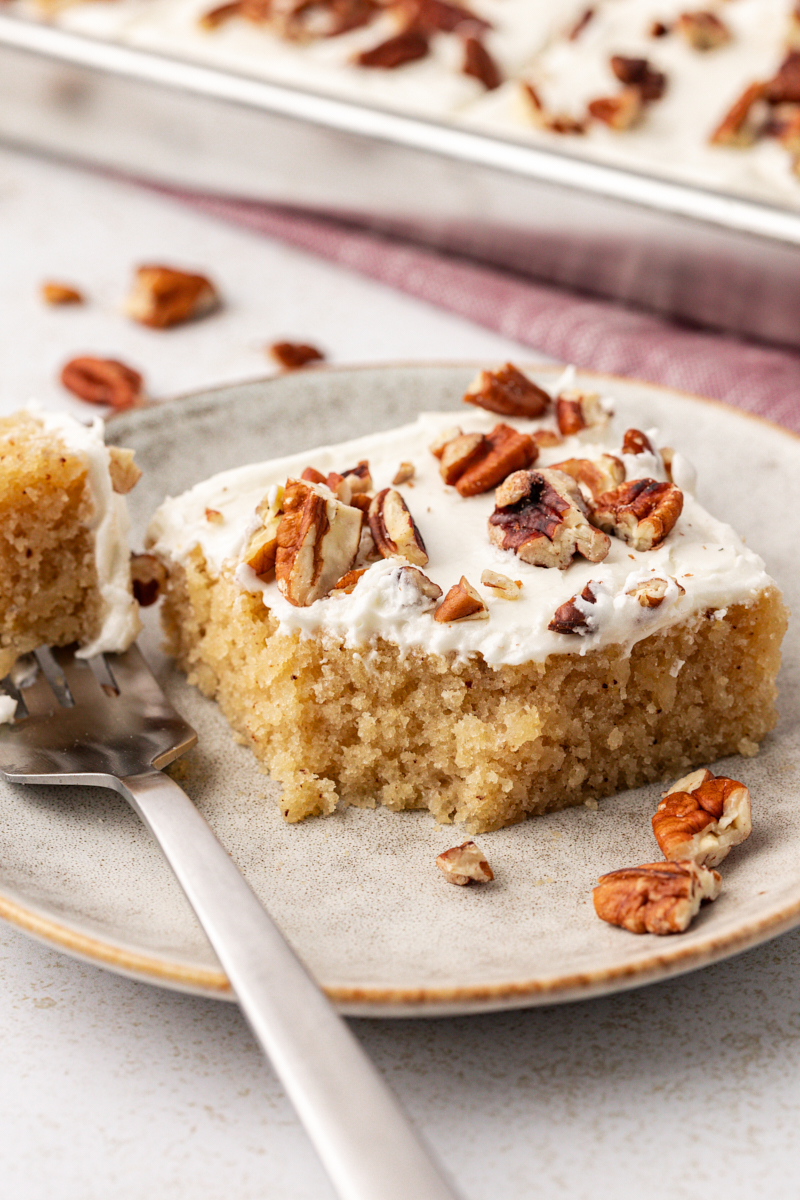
pixel 596 334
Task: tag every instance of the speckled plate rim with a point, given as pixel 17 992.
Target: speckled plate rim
pixel 426 1001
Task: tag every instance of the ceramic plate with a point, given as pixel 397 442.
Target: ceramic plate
pixel 358 893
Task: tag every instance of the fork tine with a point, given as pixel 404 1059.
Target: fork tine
pixel 81 682
pixel 38 695
pixel 51 671
pixel 132 674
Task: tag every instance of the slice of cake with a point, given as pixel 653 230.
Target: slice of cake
pixel 64 556
pixel 490 620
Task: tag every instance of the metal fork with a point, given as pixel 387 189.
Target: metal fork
pixel 105 722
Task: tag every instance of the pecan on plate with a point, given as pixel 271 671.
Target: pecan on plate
pixel 576 411
pixel 60 293
pixel 465 864
pixel 148 578
pixel 701 818
pixel 394 529
pixel 703 30
pixel 636 442
pixel 575 615
pixel 291 356
pixel 596 475
pixel 743 121
pixel 479 64
pixel 619 112
pixel 501 586
pixel 462 603
pixel 638 73
pixel 661 897
pixel 476 463
pixel 317 542
pixel 396 51
pixel 507 392
pixel 541 517
pixel 103 381
pixel 163 296
pixel 122 470
pixel 641 512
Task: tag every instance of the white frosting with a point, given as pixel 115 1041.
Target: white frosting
pixel 8 708
pixel 702 556
pixel 110 525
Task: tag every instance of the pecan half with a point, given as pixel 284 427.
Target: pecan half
pixel 479 64
pixel 462 603
pixel 480 464
pixel 148 578
pixel 703 30
pixel 503 587
pixel 317 540
pixel 507 392
pixel 541 517
pixel 404 474
pixel 103 381
pixel 636 442
pixel 641 512
pixel 403 48
pixel 742 122
pixel 465 864
pixel 573 616
pixel 598 475
pixel 394 529
pixel 701 818
pixel 163 297
pixel 60 293
pixel 576 411
pixel 638 73
pixel 619 112
pixel 291 356
pixel 656 897
pixel 122 470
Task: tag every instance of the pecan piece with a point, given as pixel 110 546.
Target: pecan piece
pixel 636 442
pixel 148 578
pixel 619 112
pixel 415 587
pixel 703 30
pixel 434 16
pixel 784 87
pixel 502 451
pixel 394 529
pixel 122 470
pixel 359 478
pixel 581 23
pixel 163 297
pixel 544 119
pixel 742 123
pixel 442 440
pixel 597 475
pixel 541 517
pixel 574 616
pixel 701 818
pixel 219 15
pixel 576 411
pixel 638 73
pixel 294 355
pixel 547 438
pixel 261 549
pixel 503 587
pixel 459 454
pixel 507 392
pixel 465 864
pixel 641 512
pixel 656 897
pixel 103 381
pixel 60 293
pixel 403 48
pixel 462 603
pixel 479 64
pixel 317 542
pixel 347 583
pixel 404 474
pixel 651 593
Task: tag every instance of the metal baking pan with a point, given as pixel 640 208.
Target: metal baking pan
pixel 687 252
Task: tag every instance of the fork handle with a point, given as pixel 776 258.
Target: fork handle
pixel 365 1141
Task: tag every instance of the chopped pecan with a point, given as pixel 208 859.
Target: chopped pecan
pixel 340 487
pixel 507 392
pixel 404 474
pixel 103 381
pixel 60 293
pixel 361 501
pixel 479 64
pixel 317 542
pixel 503 587
pixel 442 440
pixel 163 296
pixel 742 123
pixel 122 470
pixel 598 475
pixel 581 23
pixel 641 512
pixel 394 529
pixel 465 864
pixel 701 818
pixel 415 587
pixel 312 475
pixel 359 478
pixel 462 603
pixel 638 73
pixel 784 87
pixel 656 897
pixel 261 550
pixel 294 355
pixel 541 517
pixel 461 453
pixel 349 580
pixel 219 15
pixel 703 30
pixel 658 29
pixel 576 411
pixel 651 593
pixel 403 48
pixel 544 119
pixel 619 112
pixel 477 464
pixel 573 616
pixel 547 438
pixel 148 578
pixel 636 442
pixel 434 16
pixel 788 133
pixel 214 516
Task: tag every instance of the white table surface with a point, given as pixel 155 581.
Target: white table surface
pixel 115 1090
